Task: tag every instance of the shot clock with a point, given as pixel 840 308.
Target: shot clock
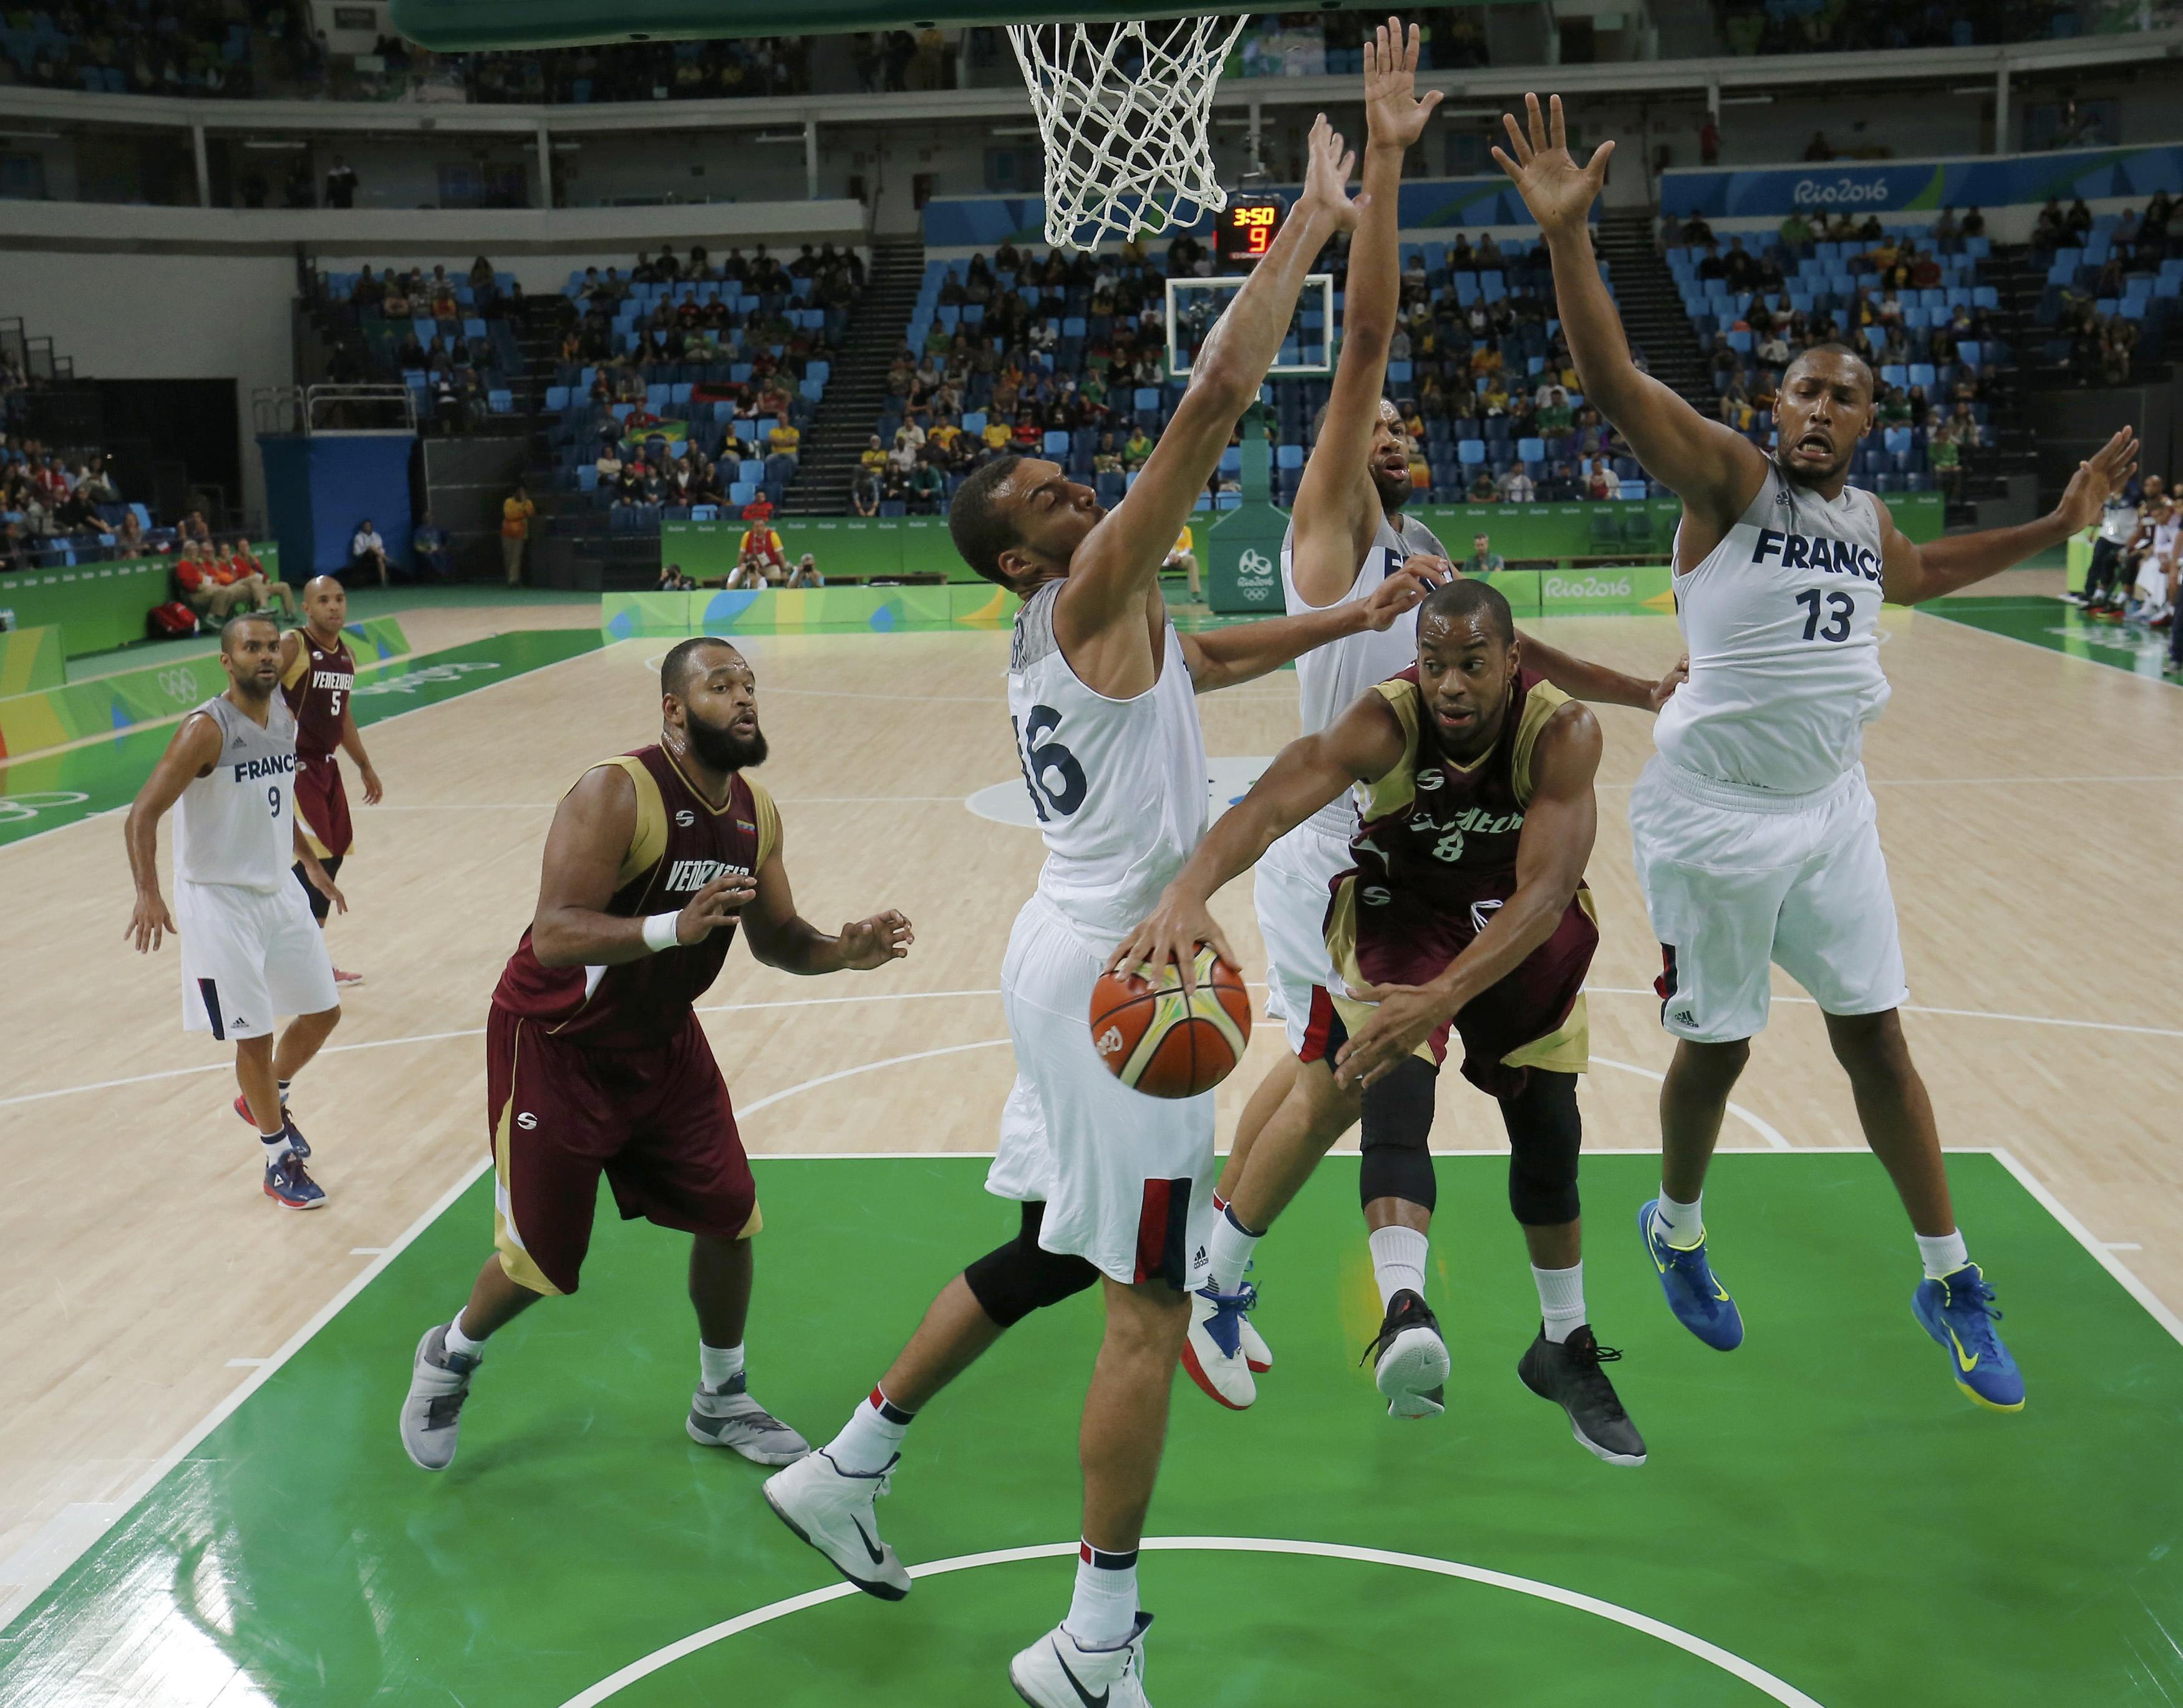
pixel 1245 230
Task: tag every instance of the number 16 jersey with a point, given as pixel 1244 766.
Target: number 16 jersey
pixel 1118 785
pixel 1782 623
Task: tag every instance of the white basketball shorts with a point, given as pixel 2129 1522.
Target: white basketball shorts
pixel 1127 1179
pixel 1735 878
pixel 1291 880
pixel 248 957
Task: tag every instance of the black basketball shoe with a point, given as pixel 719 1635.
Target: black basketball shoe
pixel 1570 1374
pixel 1409 1359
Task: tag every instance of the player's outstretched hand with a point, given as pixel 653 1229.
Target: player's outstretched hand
pixel 873 943
pixel 149 922
pixel 1327 177
pixel 714 906
pixel 1664 689
pixel 1170 935
pixel 1406 1015
pixel 2107 471
pixel 1558 191
pixel 1394 117
pixel 372 792
pixel 1404 590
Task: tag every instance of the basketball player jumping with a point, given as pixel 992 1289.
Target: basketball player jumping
pixel 249 948
pixel 594 1062
pixel 1463 911
pixel 1347 532
pixel 1755 833
pixel 317 677
pixel 1115 1187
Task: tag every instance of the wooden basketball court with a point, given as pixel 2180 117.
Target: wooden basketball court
pixel 2029 805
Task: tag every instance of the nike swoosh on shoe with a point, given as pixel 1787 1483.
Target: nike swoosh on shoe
pixel 1082 1696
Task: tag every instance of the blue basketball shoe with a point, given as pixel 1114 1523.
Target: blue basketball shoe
pixel 1695 1295
pixel 1957 1312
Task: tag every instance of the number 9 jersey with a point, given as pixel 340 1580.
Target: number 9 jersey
pixel 1118 785
pixel 1782 623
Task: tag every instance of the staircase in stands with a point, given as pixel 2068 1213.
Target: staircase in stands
pixel 850 408
pixel 1653 312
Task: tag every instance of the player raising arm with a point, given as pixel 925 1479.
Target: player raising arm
pixel 1755 834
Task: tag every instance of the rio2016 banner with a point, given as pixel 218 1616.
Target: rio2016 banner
pixel 1910 186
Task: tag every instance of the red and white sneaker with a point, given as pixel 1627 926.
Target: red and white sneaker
pixel 343 980
pixel 1212 1353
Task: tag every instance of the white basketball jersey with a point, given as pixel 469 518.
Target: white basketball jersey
pixel 236 825
pixel 1118 786
pixel 1330 678
pixel 1782 623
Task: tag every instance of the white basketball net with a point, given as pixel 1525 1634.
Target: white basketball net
pixel 1125 110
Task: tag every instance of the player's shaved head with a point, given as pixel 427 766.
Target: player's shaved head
pixel 981 522
pixel 230 632
pixel 320 584
pixel 1832 351
pixel 1463 601
pixel 686 661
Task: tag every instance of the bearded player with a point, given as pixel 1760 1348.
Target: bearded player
pixel 1115 1187
pixel 595 1063
pixel 1345 535
pixel 318 679
pixel 1755 834
pixel 1463 917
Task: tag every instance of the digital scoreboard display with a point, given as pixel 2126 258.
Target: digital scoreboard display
pixel 1244 231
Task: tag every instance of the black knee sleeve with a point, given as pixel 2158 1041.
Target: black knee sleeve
pixel 1011 1281
pixel 1399 1118
pixel 319 904
pixel 1545 1133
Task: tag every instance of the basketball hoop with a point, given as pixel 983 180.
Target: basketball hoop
pixel 1124 110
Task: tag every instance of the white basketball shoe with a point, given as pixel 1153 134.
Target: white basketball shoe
pixel 1213 1351
pixel 1054 1672
pixel 833 1510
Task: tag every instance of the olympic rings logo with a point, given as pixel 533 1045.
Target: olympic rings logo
pixel 16 809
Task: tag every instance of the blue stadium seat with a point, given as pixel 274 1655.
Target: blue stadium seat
pixel 1469 451
pixel 1055 443
pixel 1288 456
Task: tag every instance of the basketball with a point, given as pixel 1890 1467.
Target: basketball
pixel 1156 1039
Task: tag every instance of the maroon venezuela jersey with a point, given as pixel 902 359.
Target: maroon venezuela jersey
pixel 1436 858
pixel 317 686
pixel 682 843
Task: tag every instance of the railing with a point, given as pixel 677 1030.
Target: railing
pixel 307 409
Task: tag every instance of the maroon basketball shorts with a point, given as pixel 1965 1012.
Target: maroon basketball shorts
pixel 656 1122
pixel 322 805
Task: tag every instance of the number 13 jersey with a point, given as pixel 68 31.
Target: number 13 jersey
pixel 1118 785
pixel 1782 623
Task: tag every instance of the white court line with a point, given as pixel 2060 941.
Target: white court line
pixel 1735 1665
pixel 2077 1230
pixel 931 995
pixel 366 1250
pixel 406 711
pixel 2122 1246
pixel 867 1067
pixel 1765 1129
pixel 245 1363
pixel 28 1591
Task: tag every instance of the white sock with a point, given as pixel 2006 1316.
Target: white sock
pixel 1943 1253
pixel 458 1342
pixel 276 1144
pixel 1103 1611
pixel 1398 1261
pixel 284 1085
pixel 1561 1299
pixel 1681 1224
pixel 719 1366
pixel 871 1440
pixel 1232 1246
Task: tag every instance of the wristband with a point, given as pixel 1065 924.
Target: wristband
pixel 659 932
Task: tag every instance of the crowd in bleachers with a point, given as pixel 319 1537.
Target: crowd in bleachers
pixel 1909 297
pixel 1067 357
pixel 61 506
pixel 155 47
pixel 2112 282
pixel 445 336
pixel 1836 26
pixel 684 386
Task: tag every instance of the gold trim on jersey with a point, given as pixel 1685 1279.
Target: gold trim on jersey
pixel 1405 699
pixel 768 815
pixel 648 841
pixel 295 672
pixel 515 1261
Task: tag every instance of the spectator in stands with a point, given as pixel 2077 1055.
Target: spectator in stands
pixel 760 550
pixel 1796 231
pixel 429 546
pixel 1599 481
pixel 1483 560
pixel 785 439
pixel 193 526
pixel 1515 487
pixel 205 588
pixel 673 581
pixel 516 510
pixel 1482 491
pixel 864 491
pixel 1818 148
pixel 367 552
pixel 128 540
pixel 17 549
pixel 927 488
pixel 243 569
pixel 805 572
pixel 1738 266
pixel 341 184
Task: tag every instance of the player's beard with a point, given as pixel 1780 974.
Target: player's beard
pixel 722 749
pixel 1393 493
